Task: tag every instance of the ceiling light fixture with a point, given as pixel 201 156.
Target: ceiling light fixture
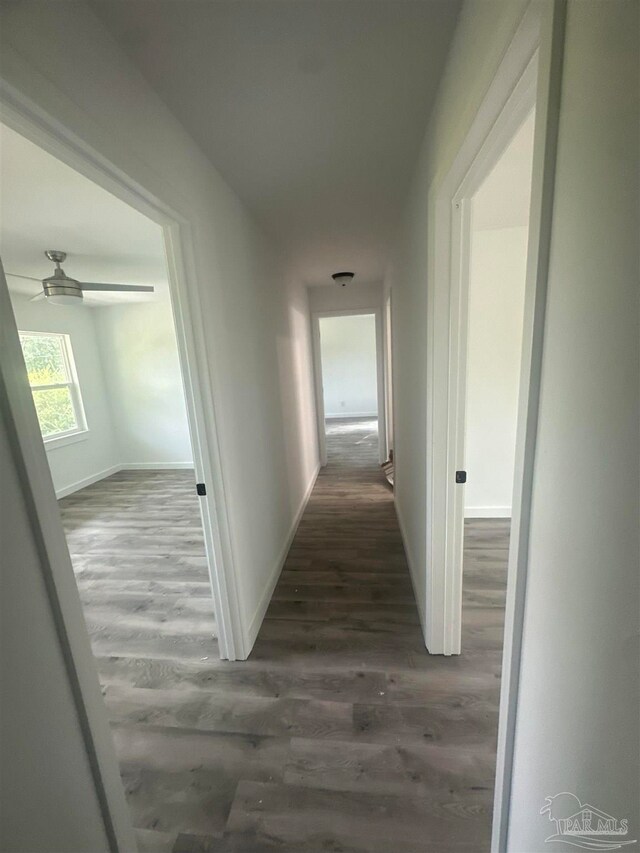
pixel 342 278
pixel 60 289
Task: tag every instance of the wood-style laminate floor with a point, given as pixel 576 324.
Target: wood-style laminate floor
pixel 340 733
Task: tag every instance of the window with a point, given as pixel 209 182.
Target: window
pixel 54 384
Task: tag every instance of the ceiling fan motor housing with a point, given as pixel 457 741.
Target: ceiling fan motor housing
pixel 56 287
pixel 59 287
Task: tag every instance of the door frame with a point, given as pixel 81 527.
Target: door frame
pixel 530 74
pixel 527 73
pixel 380 376
pixel 518 107
pixel 28 119
pixel 18 113
pixel 387 323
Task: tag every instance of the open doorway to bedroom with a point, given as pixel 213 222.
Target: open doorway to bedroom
pixel 497 267
pixel 350 386
pixel 350 398
pixel 112 404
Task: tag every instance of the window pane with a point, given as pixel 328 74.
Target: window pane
pixel 44 357
pixel 55 411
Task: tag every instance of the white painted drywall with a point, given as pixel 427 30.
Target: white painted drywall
pixel 351 297
pixel 312 110
pixel 580 644
pixel 483 33
pixel 250 356
pixel 46 202
pixel 127 362
pixel 578 720
pixel 349 365
pixel 142 371
pixel 497 272
pixel 49 800
pixel 97 453
pixel 295 370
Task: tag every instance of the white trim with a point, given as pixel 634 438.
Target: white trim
pixel 344 416
pixel 29 119
pixel 65 438
pixel 261 609
pixel 387 324
pixel 551 58
pixel 156 466
pixel 380 376
pixel 413 572
pixel 509 100
pixel 201 413
pixel 487 512
pixel 515 88
pixel 86 481
pixel 318 390
pixel 321 417
pixel 59 580
pixel 72 383
pixel 125 466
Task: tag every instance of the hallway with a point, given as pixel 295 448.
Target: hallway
pixel 340 732
pixel 258 167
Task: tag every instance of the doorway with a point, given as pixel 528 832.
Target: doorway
pixel 349 378
pixel 113 447
pixel 496 276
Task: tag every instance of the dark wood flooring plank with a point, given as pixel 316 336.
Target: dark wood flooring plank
pixel 270 816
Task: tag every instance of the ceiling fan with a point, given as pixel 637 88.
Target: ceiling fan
pixel 62 290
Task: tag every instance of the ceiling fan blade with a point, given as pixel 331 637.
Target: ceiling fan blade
pixel 124 288
pixel 28 277
pixel 38 297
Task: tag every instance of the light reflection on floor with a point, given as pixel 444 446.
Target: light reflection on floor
pixel 338 426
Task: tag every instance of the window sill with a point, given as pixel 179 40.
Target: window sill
pixel 60 441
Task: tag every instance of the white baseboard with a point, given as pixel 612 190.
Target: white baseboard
pixel 412 572
pixel 487 512
pixel 265 599
pixel 125 466
pixel 155 466
pixel 346 415
pixel 86 481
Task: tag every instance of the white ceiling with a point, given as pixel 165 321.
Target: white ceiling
pixel 504 198
pixel 313 110
pixel 45 204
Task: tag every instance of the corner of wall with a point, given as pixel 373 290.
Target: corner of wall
pixel 251 631
pixel 413 573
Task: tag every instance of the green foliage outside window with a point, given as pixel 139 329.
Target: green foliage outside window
pixel 55 411
pixel 47 365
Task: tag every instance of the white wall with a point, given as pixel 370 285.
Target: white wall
pixel 580 639
pixel 97 453
pixel 49 800
pixel 295 369
pixel 140 356
pixel 496 306
pixel 127 362
pixel 582 608
pixel 352 297
pixel 349 365
pixel 483 33
pixel 250 353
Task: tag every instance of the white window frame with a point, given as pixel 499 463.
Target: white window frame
pixel 78 433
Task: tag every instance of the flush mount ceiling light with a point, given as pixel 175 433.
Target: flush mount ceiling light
pixel 342 278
